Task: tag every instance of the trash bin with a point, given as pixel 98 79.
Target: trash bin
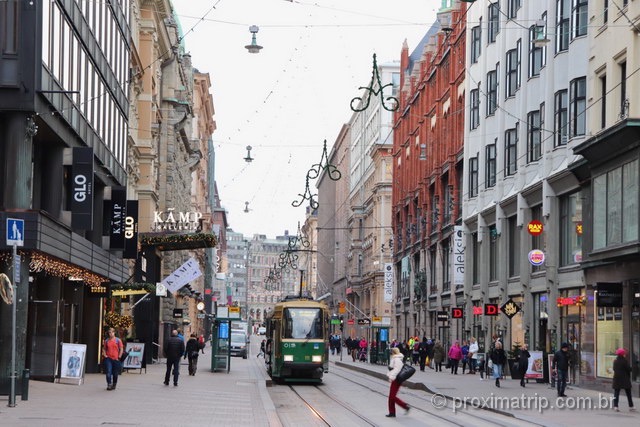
pixel 25 384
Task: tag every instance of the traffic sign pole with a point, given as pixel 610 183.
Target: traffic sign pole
pixel 14 303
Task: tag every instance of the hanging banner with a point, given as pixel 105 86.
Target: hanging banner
pixel 131 231
pixel 116 211
pixel 388 282
pixel 458 256
pixel 187 272
pixel 82 189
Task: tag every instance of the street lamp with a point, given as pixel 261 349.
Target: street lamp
pixel 254 47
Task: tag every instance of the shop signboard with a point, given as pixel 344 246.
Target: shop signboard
pixel 535 370
pixel 609 294
pixel 388 282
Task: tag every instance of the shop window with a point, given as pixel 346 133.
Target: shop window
pixel 609 329
pixel 615 206
pixel 571 229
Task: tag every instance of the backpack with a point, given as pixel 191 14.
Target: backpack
pixel 416 347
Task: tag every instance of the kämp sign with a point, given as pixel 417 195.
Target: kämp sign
pixel 187 272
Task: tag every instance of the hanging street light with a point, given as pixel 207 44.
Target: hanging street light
pixel 254 47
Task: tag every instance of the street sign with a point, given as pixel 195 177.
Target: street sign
pixel 350 321
pixel 335 321
pixel 456 313
pixel 15 232
pixel 177 313
pixel 442 316
pixel 491 310
pixel 341 307
pixel 364 321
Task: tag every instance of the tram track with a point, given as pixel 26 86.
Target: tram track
pixel 427 401
pixel 317 412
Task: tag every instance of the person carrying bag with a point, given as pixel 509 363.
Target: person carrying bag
pixel 396 366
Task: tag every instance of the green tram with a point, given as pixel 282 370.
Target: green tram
pixel 297 347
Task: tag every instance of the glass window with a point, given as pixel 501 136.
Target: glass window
pixel 513 70
pixel 578 103
pixel 473 176
pixel 562 25
pixel 514 247
pixel 446 267
pixel 493 253
pixel 534 144
pixel 624 102
pixel 560 117
pixel 514 6
pixel 476 45
pixel 475 109
pixel 492 92
pixel 615 206
pixel 493 16
pixel 570 229
pixel 579 18
pixel 474 258
pixel 536 54
pixel 511 151
pixel 490 165
pixel 609 338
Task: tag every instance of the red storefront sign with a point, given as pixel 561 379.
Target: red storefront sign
pixel 535 227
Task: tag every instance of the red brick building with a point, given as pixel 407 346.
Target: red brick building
pixel 427 177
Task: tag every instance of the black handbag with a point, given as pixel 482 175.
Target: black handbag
pixel 405 373
pixel 124 356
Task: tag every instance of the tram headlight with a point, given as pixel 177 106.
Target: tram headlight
pixel 288 357
pixel 316 359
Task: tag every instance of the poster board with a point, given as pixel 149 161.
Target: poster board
pixel 72 363
pixel 135 358
pixel 535 370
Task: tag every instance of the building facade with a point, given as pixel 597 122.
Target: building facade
pixel 427 178
pixel 608 172
pixel 63 120
pixel 522 207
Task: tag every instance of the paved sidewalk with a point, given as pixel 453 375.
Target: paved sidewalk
pixel 536 402
pixel 239 398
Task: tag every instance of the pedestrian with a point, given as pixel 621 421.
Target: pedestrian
pixel 455 355
pixel 422 350
pixel 112 352
pixel 362 356
pixel 472 356
pixel 481 367
pixel 523 362
pixel 415 351
pixel 192 353
pixel 263 344
pixel 173 351
pixel 498 359
pixel 560 367
pixel 465 358
pixel 438 355
pixel 430 344
pixel 395 365
pixel 621 379
pixel 180 334
pixel 201 343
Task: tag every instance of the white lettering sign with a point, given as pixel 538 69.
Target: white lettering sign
pixel 388 282
pixel 187 272
pixel 174 221
pixel 458 256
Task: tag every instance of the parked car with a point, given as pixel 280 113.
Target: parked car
pixel 238 344
pixel 262 330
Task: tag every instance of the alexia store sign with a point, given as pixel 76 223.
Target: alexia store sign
pixel 172 220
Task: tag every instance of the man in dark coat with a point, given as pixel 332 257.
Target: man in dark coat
pixel 173 351
pixel 621 378
pixel 560 366
pixel 523 362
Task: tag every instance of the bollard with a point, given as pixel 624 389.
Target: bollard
pixel 25 384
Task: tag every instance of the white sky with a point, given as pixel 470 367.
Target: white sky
pixel 287 99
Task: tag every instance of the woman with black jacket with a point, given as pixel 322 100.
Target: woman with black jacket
pixel 191 352
pixel 498 358
pixel 523 362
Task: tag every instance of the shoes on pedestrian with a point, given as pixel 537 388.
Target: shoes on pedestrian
pixel 497 382
pixel 562 395
pixel 632 409
pixel 406 411
pixel 166 383
pixel 390 415
pixel 175 384
pixel 113 387
pixel 616 409
pixel 109 386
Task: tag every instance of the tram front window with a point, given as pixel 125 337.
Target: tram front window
pixel 303 323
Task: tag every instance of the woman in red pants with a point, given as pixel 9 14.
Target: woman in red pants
pixel 395 365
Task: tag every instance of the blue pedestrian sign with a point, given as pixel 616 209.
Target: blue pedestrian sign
pixel 15 232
